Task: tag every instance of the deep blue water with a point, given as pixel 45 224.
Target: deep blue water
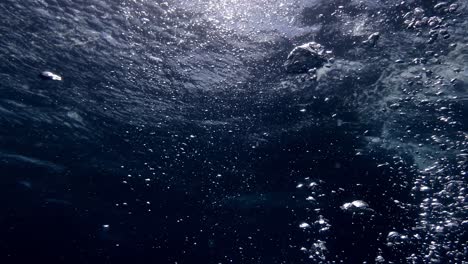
pixel 177 136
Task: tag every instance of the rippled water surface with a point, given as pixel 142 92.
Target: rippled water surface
pixel 234 131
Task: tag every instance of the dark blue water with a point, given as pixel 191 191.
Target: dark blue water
pixel 177 136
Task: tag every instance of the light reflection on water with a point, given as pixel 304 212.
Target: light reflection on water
pixel 256 18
